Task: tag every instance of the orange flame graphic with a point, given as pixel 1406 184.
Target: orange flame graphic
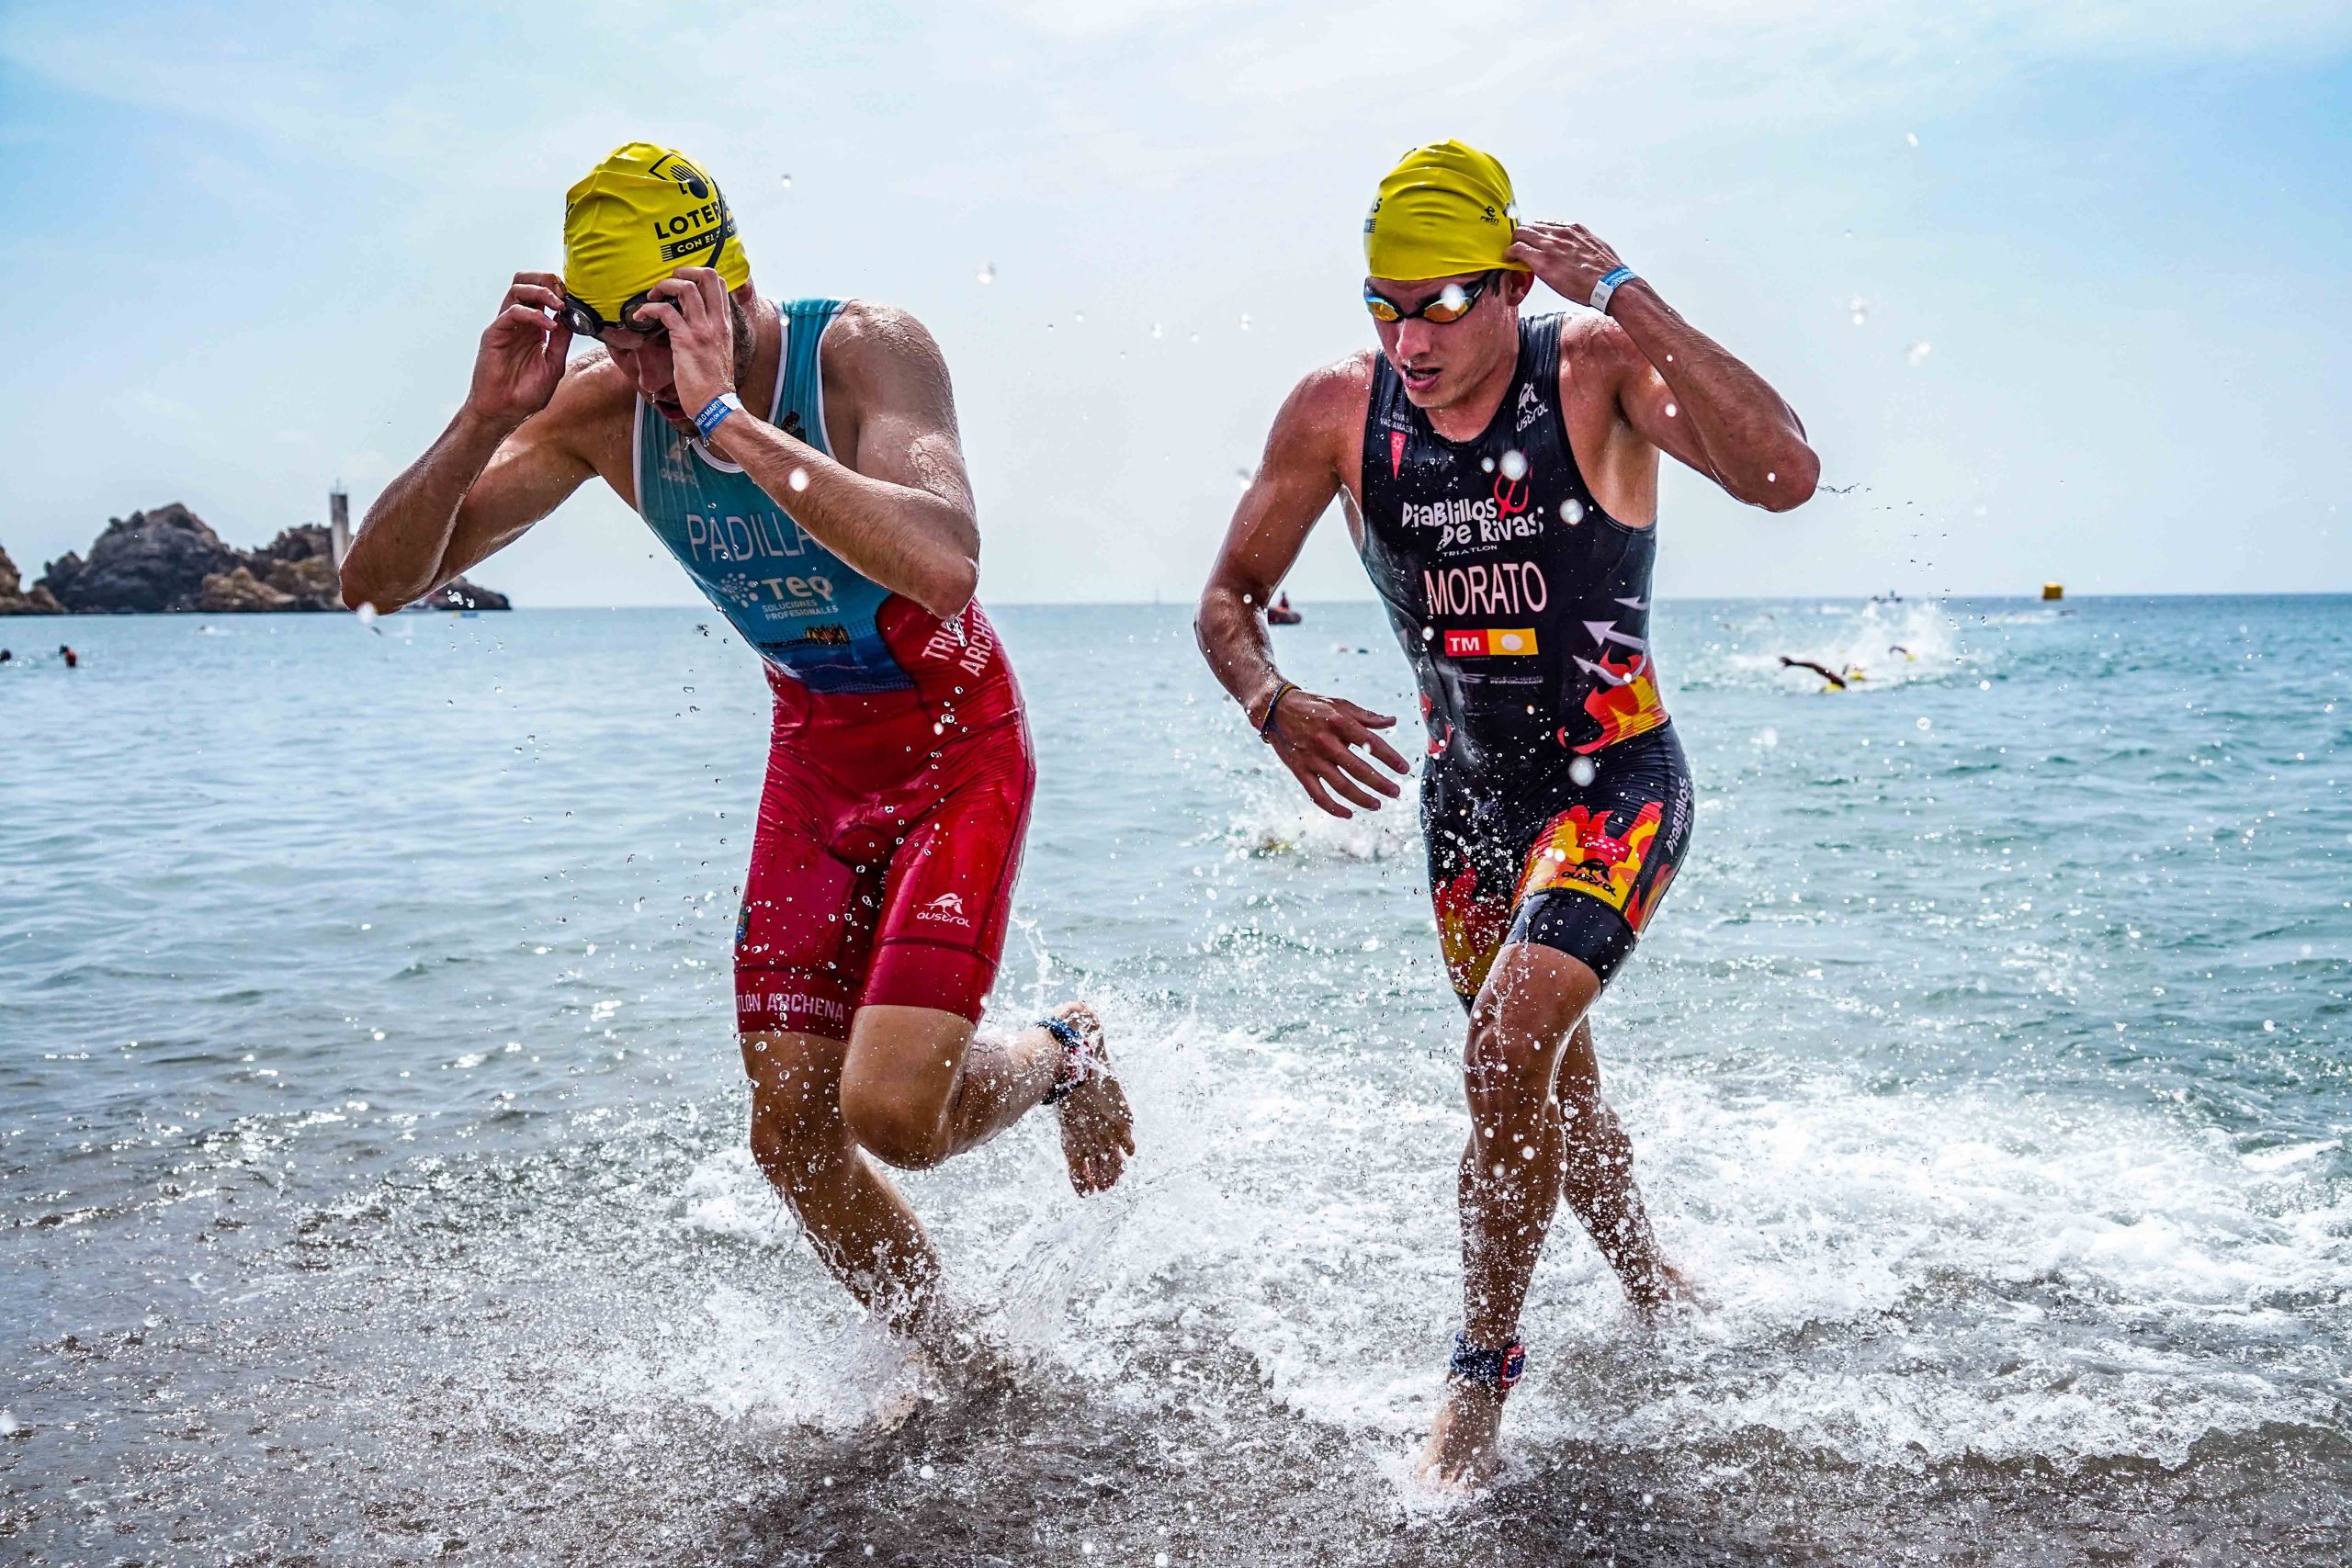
pixel 1627 710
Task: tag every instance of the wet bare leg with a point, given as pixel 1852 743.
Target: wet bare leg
pixel 1539 1132
pixel 857 1221
pixel 911 1088
pixel 1597 1183
pixel 919 1086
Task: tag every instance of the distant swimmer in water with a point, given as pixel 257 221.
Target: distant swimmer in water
pixel 7 657
pixel 1500 476
pixel 800 461
pixel 73 659
pixel 1835 681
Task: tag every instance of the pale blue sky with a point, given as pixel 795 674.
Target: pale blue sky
pixel 252 246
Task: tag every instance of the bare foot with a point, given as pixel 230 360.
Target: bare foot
pixel 1667 1291
pixel 1098 1130
pixel 1464 1447
pixel 953 1339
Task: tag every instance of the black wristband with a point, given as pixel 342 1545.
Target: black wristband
pixel 1266 725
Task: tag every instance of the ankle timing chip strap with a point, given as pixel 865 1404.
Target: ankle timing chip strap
pixel 1079 1061
pixel 1499 1370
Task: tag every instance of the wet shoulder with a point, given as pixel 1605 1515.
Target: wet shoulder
pixel 593 388
pixel 593 412
pixel 1329 405
pixel 868 341
pixel 1595 348
pixel 876 357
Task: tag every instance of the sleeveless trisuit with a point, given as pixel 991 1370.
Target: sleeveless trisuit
pixel 1556 800
pixel 900 771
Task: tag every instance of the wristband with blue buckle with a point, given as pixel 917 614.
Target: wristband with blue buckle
pixel 714 413
pixel 1611 281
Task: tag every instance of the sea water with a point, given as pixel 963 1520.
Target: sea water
pixel 373 1183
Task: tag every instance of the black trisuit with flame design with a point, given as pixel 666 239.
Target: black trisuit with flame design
pixel 1556 800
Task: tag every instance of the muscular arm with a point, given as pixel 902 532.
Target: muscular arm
pixel 1689 396
pixel 899 508
pixel 1679 388
pixel 1295 483
pixel 506 460
pixel 1297 478
pixel 474 491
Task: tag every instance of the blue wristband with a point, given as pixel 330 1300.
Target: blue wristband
pixel 714 412
pixel 1611 281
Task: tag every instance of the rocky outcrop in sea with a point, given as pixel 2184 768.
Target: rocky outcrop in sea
pixel 169 560
pixel 15 601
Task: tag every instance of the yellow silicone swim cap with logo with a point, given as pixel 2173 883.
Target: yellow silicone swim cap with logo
pixel 639 215
pixel 1444 208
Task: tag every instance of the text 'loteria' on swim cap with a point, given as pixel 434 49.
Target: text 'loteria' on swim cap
pixel 1444 208
pixel 639 215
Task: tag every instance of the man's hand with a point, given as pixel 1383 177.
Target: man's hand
pixel 691 303
pixel 1568 258
pixel 522 353
pixel 1316 738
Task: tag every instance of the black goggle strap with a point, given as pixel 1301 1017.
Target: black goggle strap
pixel 581 317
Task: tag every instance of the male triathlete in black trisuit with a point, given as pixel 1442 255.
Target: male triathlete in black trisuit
pixel 1499 477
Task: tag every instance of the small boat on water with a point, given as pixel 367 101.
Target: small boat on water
pixel 1279 614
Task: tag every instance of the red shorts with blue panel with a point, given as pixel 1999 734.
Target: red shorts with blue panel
pixel 889 838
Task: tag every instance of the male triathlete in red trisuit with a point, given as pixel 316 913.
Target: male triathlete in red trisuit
pixel 825 511
pixel 1500 479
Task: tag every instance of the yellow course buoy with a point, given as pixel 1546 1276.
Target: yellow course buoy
pixel 2054 591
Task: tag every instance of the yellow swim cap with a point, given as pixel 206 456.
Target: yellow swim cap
pixel 641 213
pixel 1445 209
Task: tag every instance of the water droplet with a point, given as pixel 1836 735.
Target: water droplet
pixel 1155 329
pixel 366 614
pixel 1428 633
pixel 1671 410
pixel 799 480
pixel 1861 309
pixel 987 273
pixel 1244 323
pixel 1486 465
pixel 1572 509
pixel 1918 351
pixel 1452 297
pixel 1771 478
pixel 787 182
pixel 1582 772
pixel 1912 137
pixel 1923 722
pixel 1514 464
pixel 928 1473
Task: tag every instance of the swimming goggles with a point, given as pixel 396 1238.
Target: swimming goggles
pixel 1451 304
pixel 583 317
